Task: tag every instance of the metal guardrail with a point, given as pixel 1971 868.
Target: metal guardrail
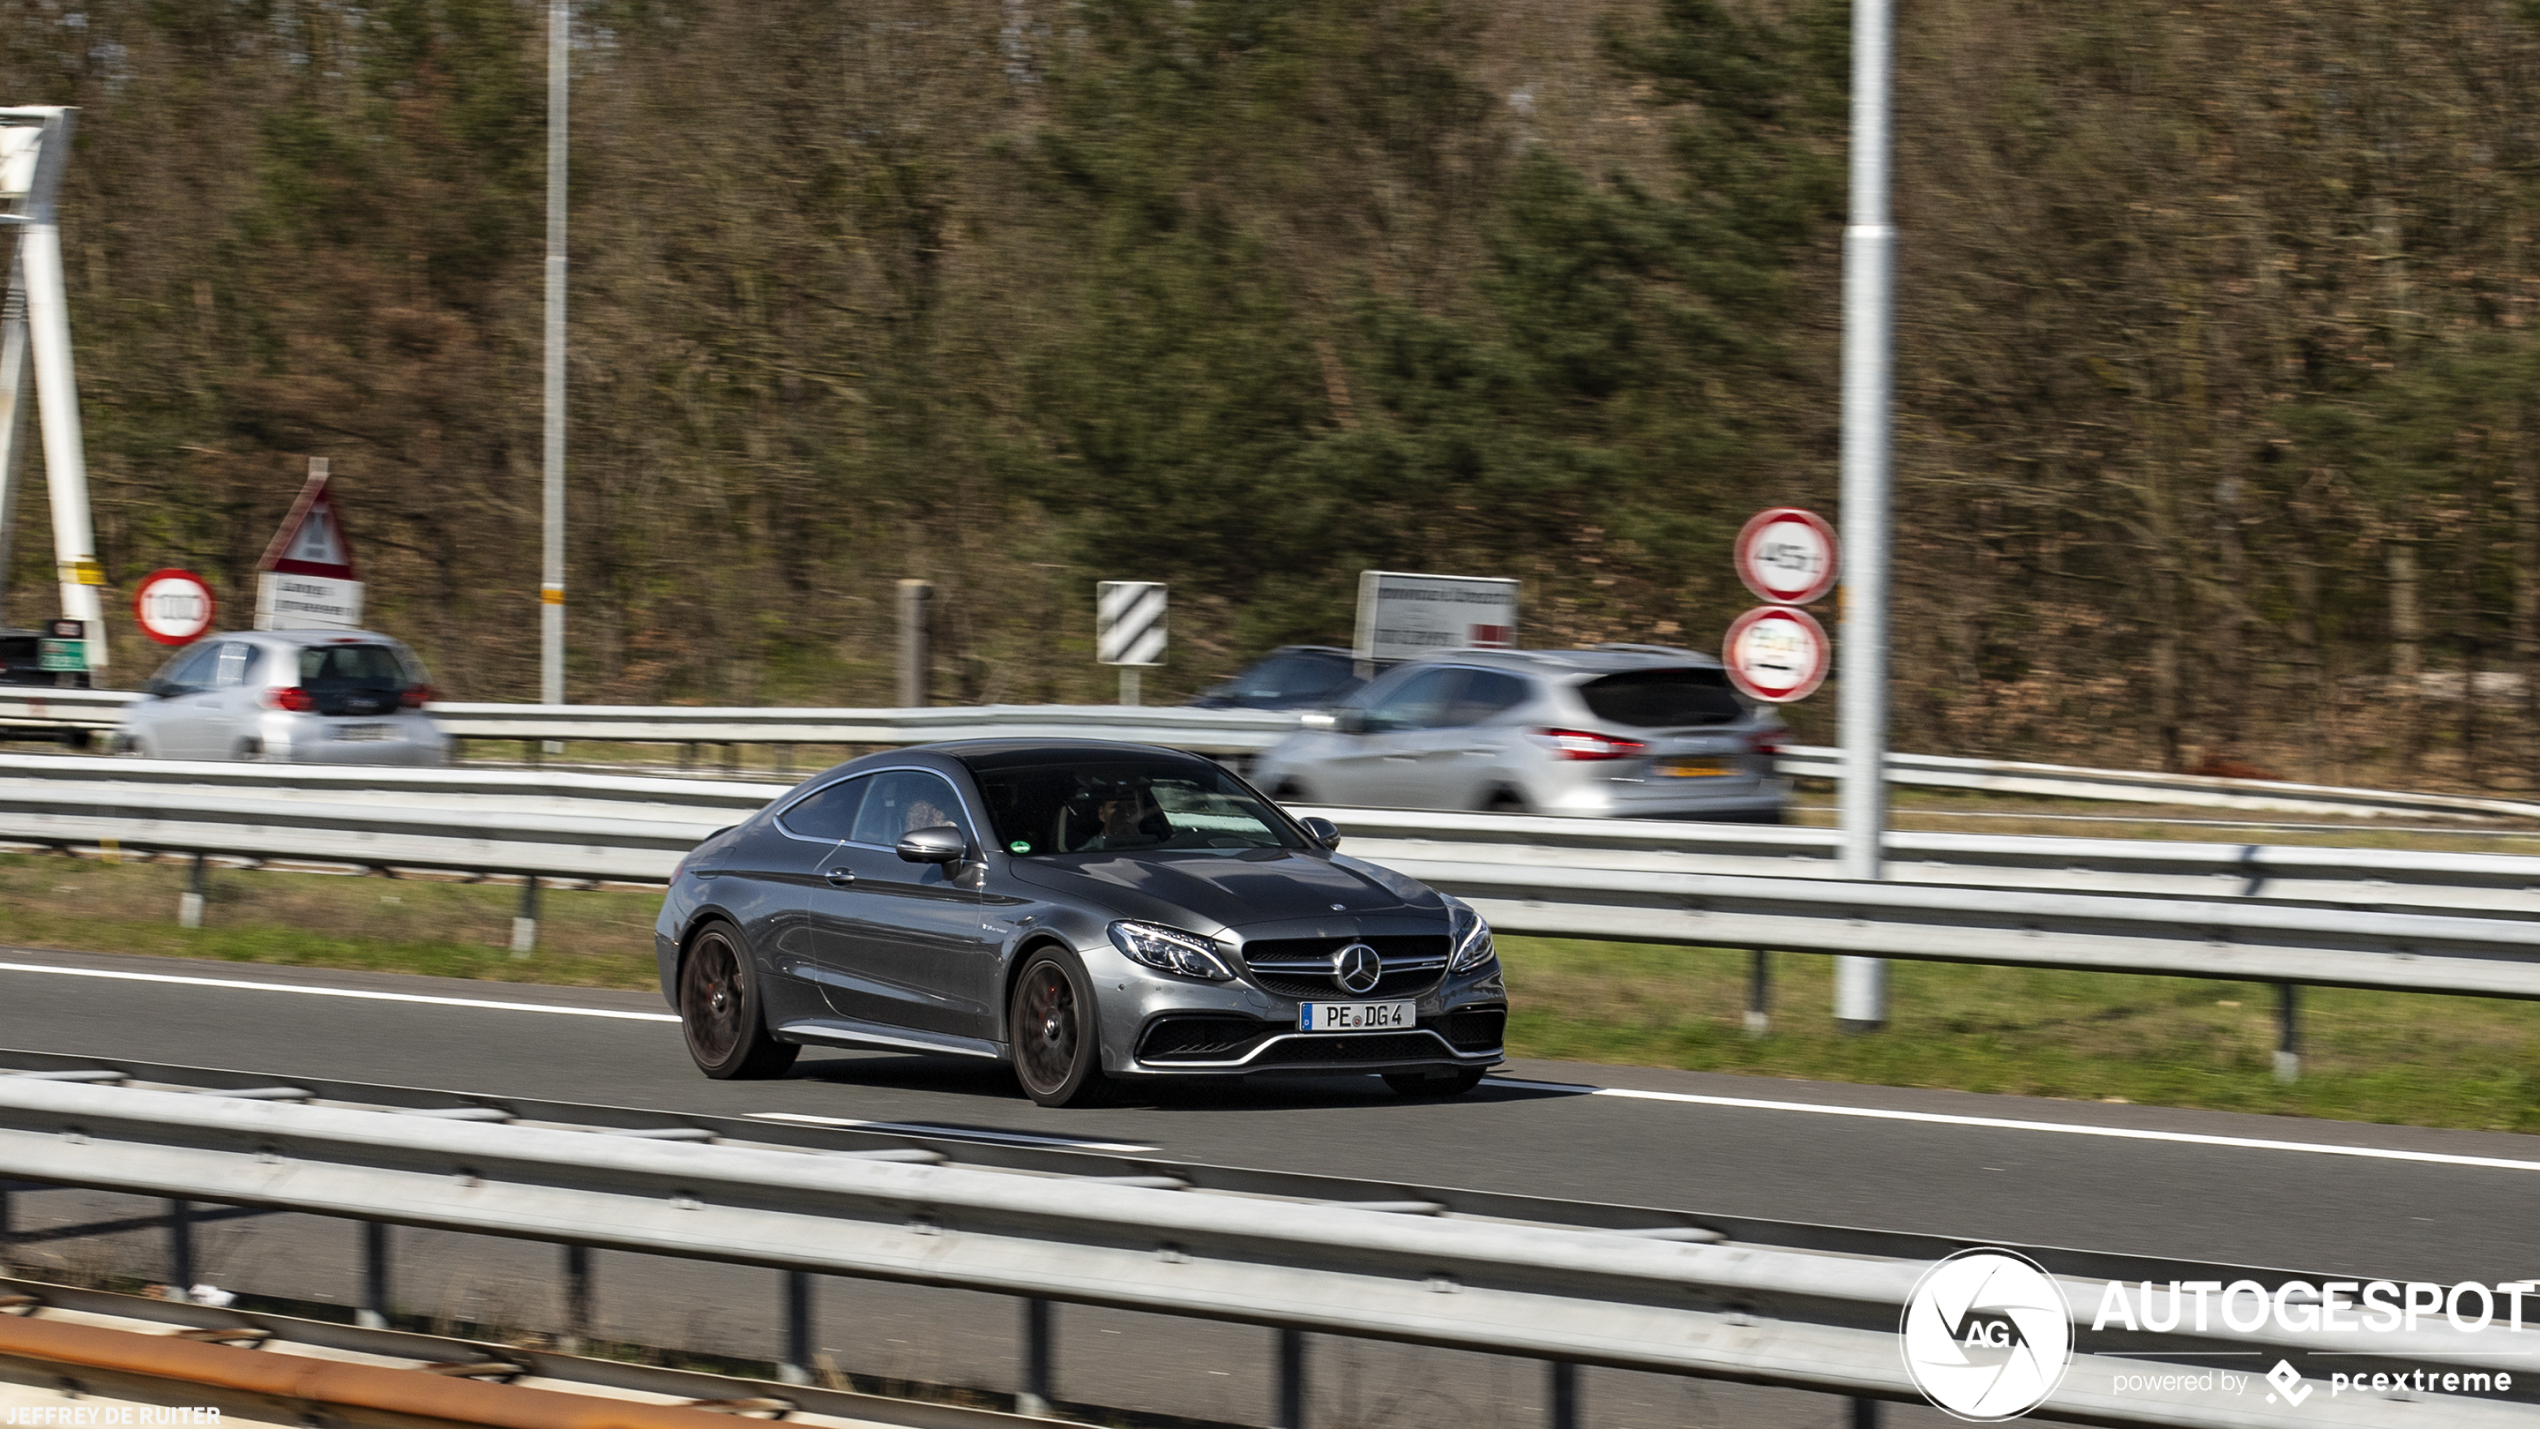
pixel 1245 732
pixel 2461 923
pixel 1416 1272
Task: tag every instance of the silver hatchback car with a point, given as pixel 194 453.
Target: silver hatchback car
pixel 1620 731
pixel 296 696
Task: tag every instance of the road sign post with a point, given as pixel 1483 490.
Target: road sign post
pixel 174 607
pixel 1129 630
pixel 1869 247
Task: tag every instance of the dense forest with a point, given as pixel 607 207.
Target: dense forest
pixel 2216 441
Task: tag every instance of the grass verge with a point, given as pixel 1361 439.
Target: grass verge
pixel 2367 1056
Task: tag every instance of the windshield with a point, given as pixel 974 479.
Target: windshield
pixel 360 667
pixel 1110 803
pixel 1664 699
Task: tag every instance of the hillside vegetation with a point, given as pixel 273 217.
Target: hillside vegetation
pixel 2215 438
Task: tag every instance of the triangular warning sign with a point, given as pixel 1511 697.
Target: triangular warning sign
pixel 312 541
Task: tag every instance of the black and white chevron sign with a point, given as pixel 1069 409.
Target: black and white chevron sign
pixel 1129 622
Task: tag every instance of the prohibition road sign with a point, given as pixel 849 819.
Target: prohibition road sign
pixel 173 607
pixel 1776 654
pixel 1788 556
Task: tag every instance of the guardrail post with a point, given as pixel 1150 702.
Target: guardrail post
pixel 2288 1032
pixel 189 904
pixel 180 1250
pixel 784 761
pixel 1865 1414
pixel 797 1366
pixel 1039 1373
pixel 1291 1381
pixel 914 662
pixel 577 1297
pixel 525 922
pixel 374 1312
pixel 731 760
pixel 1561 1394
pixel 1759 994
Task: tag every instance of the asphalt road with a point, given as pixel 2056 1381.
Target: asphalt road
pixel 2319 1196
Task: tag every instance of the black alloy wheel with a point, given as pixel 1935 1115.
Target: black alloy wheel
pixel 1056 1033
pixel 719 1011
pixel 1435 1084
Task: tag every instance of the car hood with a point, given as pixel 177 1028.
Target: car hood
pixel 1227 891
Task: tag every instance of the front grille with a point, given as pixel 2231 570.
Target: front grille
pixel 1200 1039
pixel 1302 967
pixel 1476 1029
pixel 1347 1047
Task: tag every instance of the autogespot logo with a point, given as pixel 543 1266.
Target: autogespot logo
pixel 1986 1335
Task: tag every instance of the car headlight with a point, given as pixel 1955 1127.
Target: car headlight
pixel 1469 935
pixel 1170 950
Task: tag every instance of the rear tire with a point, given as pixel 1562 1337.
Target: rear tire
pixel 1056 1032
pixel 720 1013
pixel 1504 801
pixel 1435 1084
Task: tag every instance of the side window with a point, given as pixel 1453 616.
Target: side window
pixel 232 665
pixel 904 801
pixel 828 813
pixel 1486 693
pixel 1418 703
pixel 188 672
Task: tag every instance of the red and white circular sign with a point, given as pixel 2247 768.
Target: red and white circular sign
pixel 173 607
pixel 1776 654
pixel 1788 556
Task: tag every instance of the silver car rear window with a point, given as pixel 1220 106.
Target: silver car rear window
pixel 1664 699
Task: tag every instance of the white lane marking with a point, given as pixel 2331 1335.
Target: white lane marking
pixel 955 1133
pixel 303 988
pixel 2066 1128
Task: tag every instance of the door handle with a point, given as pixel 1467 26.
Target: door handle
pixel 840 877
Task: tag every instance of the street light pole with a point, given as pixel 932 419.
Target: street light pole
pixel 551 578
pixel 1869 252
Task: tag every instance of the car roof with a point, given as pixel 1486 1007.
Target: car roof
pixel 1000 753
pixel 1603 660
pixel 308 637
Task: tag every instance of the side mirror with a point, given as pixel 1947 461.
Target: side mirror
pixel 941 844
pixel 1325 832
pixel 1349 721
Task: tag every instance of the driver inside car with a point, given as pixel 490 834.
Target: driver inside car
pixel 1122 817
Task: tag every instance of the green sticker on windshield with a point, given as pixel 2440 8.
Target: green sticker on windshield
pixel 1019 846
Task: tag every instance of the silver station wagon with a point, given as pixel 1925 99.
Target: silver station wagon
pixel 1620 731
pixel 296 696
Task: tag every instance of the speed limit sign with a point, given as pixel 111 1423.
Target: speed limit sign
pixel 173 607
pixel 1788 556
pixel 1776 654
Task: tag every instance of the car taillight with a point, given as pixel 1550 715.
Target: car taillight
pixel 1586 744
pixel 417 696
pixel 1765 743
pixel 290 697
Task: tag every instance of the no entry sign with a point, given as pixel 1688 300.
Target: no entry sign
pixel 173 607
pixel 1776 654
pixel 1788 556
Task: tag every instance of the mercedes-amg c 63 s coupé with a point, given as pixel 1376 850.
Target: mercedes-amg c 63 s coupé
pixel 1088 913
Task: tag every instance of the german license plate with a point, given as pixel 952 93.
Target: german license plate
pixel 1356 1016
pixel 1694 769
pixel 365 732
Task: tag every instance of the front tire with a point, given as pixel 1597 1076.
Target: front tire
pixel 1435 1084
pixel 720 1012
pixel 1056 1032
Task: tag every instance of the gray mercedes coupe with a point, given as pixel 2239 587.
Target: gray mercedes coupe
pixel 1090 914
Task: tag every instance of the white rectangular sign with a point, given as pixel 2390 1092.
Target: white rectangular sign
pixel 1401 615
pixel 291 602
